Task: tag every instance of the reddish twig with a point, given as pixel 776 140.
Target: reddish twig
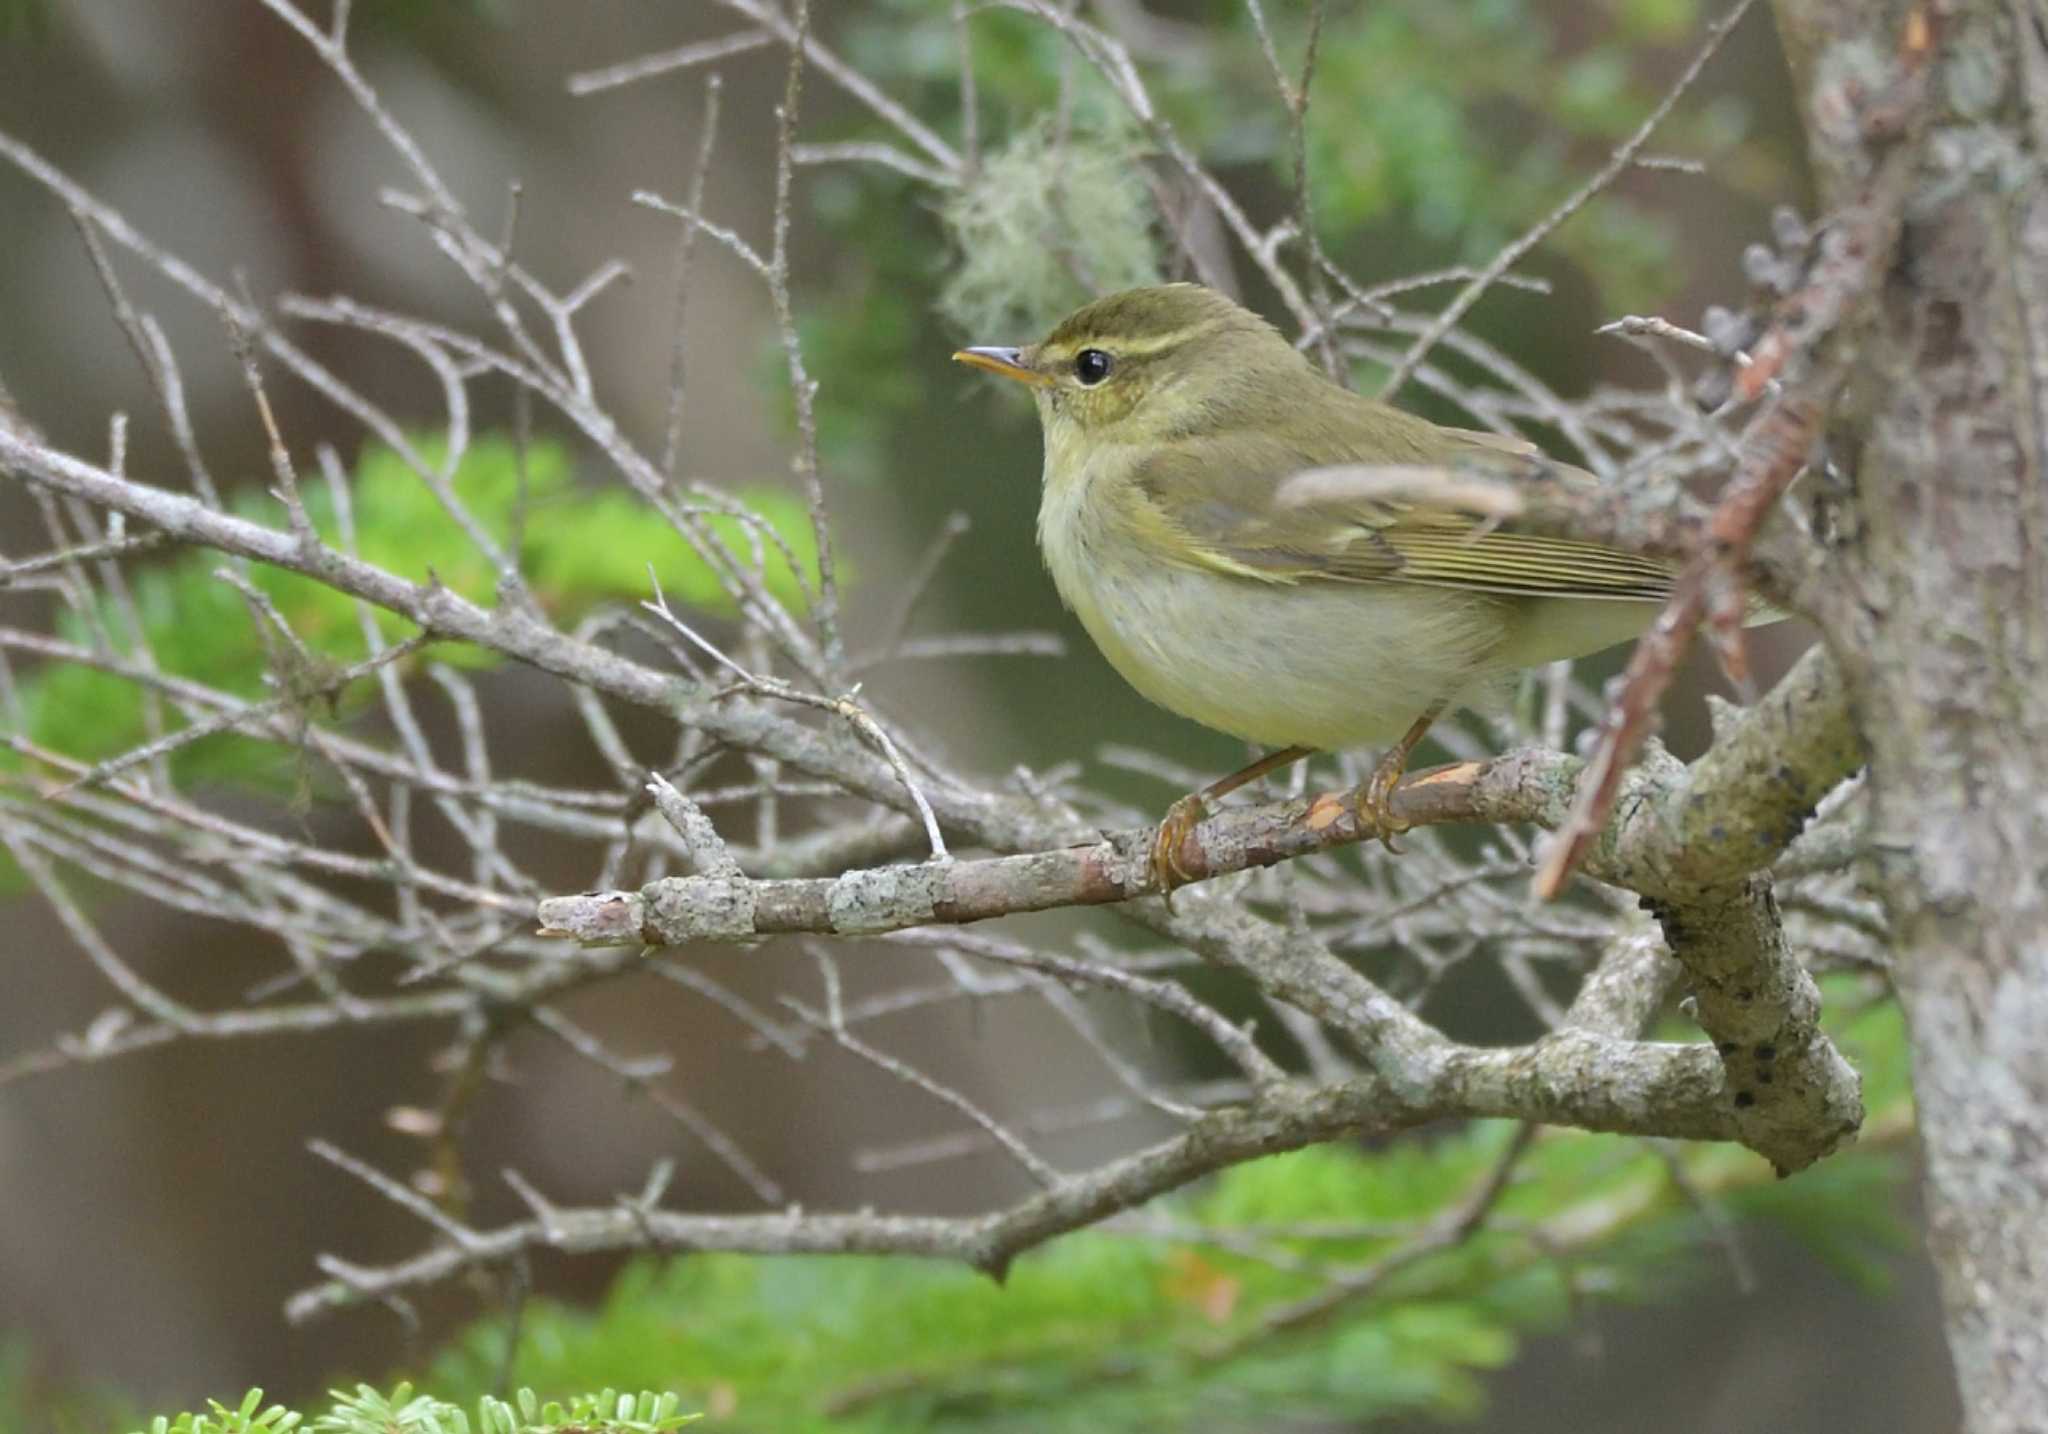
pixel 1852 252
pixel 1710 589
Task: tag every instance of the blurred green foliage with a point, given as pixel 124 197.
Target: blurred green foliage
pixel 1106 1332
pixel 24 19
pixel 369 1411
pixel 32 1399
pixel 1434 134
pixel 578 546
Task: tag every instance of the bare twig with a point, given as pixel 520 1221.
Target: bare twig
pixel 686 244
pixel 1617 164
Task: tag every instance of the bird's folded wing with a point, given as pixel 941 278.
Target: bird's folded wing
pixel 1219 496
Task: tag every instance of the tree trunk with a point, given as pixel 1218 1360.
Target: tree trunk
pixel 1939 616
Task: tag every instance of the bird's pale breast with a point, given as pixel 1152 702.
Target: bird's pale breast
pixel 1321 665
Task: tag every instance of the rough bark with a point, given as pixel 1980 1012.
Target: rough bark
pixel 1939 618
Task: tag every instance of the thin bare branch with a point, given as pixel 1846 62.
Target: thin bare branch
pixel 1617 164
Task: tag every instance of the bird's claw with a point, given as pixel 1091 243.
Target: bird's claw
pixel 1180 819
pixel 1375 800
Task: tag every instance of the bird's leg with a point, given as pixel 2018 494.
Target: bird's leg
pixel 1375 794
pixel 1187 813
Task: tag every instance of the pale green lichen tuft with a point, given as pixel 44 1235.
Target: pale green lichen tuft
pixel 1048 223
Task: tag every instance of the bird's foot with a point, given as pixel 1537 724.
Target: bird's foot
pixel 1375 799
pixel 1180 819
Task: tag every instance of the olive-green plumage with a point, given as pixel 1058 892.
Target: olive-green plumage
pixel 1173 419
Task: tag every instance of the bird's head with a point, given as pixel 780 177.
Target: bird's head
pixel 1150 365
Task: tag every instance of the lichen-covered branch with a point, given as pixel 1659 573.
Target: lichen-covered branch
pixel 1730 814
pixel 1578 1078
pixel 1937 614
pixel 1794 1094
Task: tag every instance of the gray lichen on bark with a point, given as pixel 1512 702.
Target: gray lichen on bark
pixel 1939 619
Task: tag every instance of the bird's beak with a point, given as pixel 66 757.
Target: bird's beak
pixel 1007 362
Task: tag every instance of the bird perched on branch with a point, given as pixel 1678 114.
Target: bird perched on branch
pixel 1192 520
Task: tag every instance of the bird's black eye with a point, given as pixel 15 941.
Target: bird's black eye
pixel 1092 366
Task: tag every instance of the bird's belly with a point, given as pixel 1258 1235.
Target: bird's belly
pixel 1322 666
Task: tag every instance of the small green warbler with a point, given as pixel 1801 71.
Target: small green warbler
pixel 1173 418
